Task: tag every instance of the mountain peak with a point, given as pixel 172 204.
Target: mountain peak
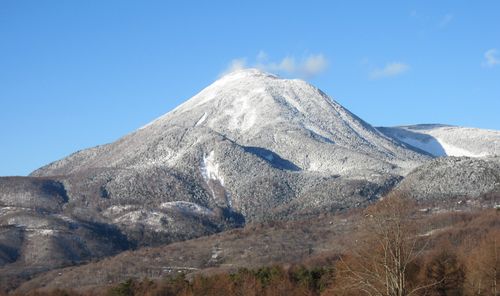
pixel 248 72
pixel 247 90
pixel 290 118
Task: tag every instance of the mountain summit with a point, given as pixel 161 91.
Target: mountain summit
pixel 289 118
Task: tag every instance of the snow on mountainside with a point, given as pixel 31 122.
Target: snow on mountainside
pixel 444 140
pixel 248 143
pixel 251 147
pixel 289 118
pixel 456 180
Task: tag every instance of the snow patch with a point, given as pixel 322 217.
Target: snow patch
pixel 45 232
pixel 28 222
pixel 438 147
pixel 153 219
pixel 186 207
pixel 242 113
pixel 452 150
pixel 432 146
pixel 202 119
pixel 433 231
pixel 210 168
pixel 35 233
pixel 5 210
pixel 65 218
pixel 117 210
pixel 210 171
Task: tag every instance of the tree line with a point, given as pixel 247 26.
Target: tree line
pixel 396 251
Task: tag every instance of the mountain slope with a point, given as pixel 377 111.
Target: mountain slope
pixel 455 181
pixel 252 109
pixel 445 140
pixel 249 142
pixel 249 147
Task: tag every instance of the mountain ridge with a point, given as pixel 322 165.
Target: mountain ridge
pixel 447 140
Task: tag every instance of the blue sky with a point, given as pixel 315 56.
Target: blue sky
pixel 75 74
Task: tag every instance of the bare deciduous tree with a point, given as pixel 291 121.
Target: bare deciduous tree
pixel 383 259
pixel 445 270
pixel 483 266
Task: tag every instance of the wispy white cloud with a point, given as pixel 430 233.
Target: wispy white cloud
pixel 234 65
pixel 314 65
pixel 445 20
pixel 389 70
pixel 286 65
pixel 491 58
pixel 307 67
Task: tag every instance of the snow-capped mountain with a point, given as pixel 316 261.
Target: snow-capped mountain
pixel 290 118
pixel 250 142
pixel 445 140
pixel 250 147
